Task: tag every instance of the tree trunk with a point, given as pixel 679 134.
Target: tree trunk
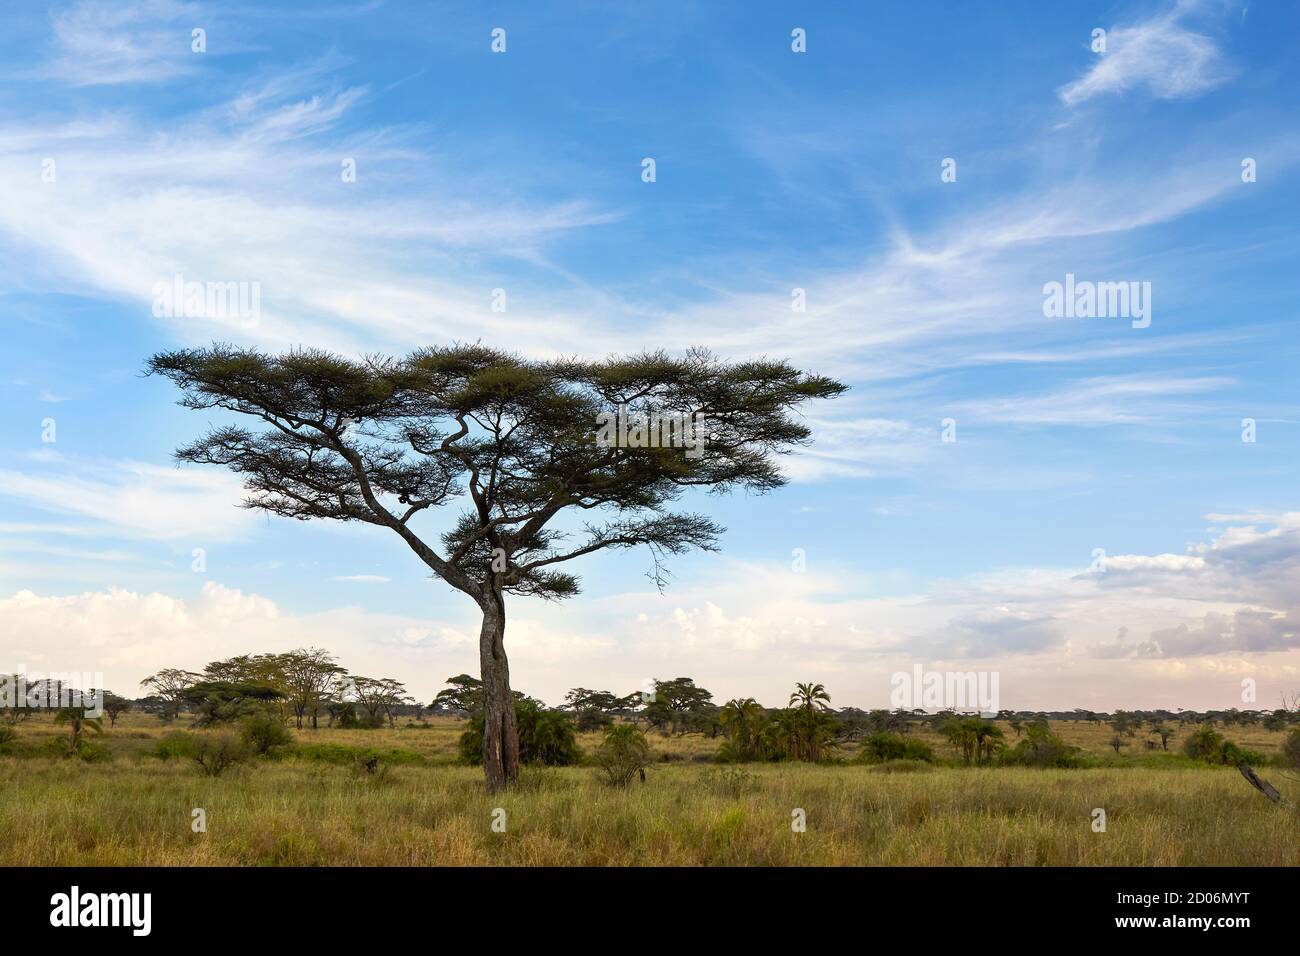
pixel 500 734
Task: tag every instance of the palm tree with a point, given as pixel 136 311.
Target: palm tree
pixel 76 716
pixel 988 738
pixel 812 700
pixel 742 721
pixel 810 696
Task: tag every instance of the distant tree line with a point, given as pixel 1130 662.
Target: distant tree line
pixel 309 687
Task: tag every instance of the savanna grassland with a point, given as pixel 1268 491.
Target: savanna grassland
pixel 314 804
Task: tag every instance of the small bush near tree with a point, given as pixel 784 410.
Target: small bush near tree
pixel 623 755
pixel 264 732
pixel 545 737
pixel 215 753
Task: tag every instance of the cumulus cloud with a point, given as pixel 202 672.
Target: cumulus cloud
pixel 1177 630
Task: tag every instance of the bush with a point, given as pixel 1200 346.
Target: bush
pixel 1291 749
pixel 730 781
pixel 1204 744
pixel 1208 745
pixel 1042 748
pixel 262 732
pixel 545 737
pixel 86 750
pixel 623 754
pixel 883 745
pixel 216 753
pixel 589 719
pixel 176 745
pixel 7 736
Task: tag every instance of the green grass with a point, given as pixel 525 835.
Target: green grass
pixel 312 806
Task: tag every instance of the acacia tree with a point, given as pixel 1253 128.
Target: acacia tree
pixel 518 441
pixel 170 685
pixel 310 677
pixel 379 698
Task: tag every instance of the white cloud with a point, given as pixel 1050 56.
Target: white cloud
pixel 1161 55
pixel 1105 400
pixel 1164 629
pixel 124 41
pixel 132 499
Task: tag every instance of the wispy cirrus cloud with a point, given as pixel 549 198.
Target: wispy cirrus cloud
pixel 1104 400
pixel 1162 56
pixel 131 499
pixel 135 41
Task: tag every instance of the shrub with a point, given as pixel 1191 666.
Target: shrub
pixel 1042 748
pixel 623 754
pixel 1204 744
pixel 883 745
pixel 589 719
pixel 262 732
pixel 545 737
pixel 216 753
pixel 176 745
pixel 1209 746
pixel 730 781
pixel 7 736
pixel 1291 749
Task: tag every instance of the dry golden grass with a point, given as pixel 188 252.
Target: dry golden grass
pixel 136 810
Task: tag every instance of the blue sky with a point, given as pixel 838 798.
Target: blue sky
pixel 775 170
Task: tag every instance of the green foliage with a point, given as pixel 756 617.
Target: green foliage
pixel 976 738
pixel 594 709
pixel 545 737
pixel 463 696
pixel 177 745
pixel 1291 749
pixel 264 731
pixel 678 706
pixel 623 754
pixel 730 781
pixel 115 706
pixel 1041 748
pixel 7 736
pixel 884 746
pixel 1204 744
pixel 222 701
pixel 1208 745
pixel 75 744
pixel 217 752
